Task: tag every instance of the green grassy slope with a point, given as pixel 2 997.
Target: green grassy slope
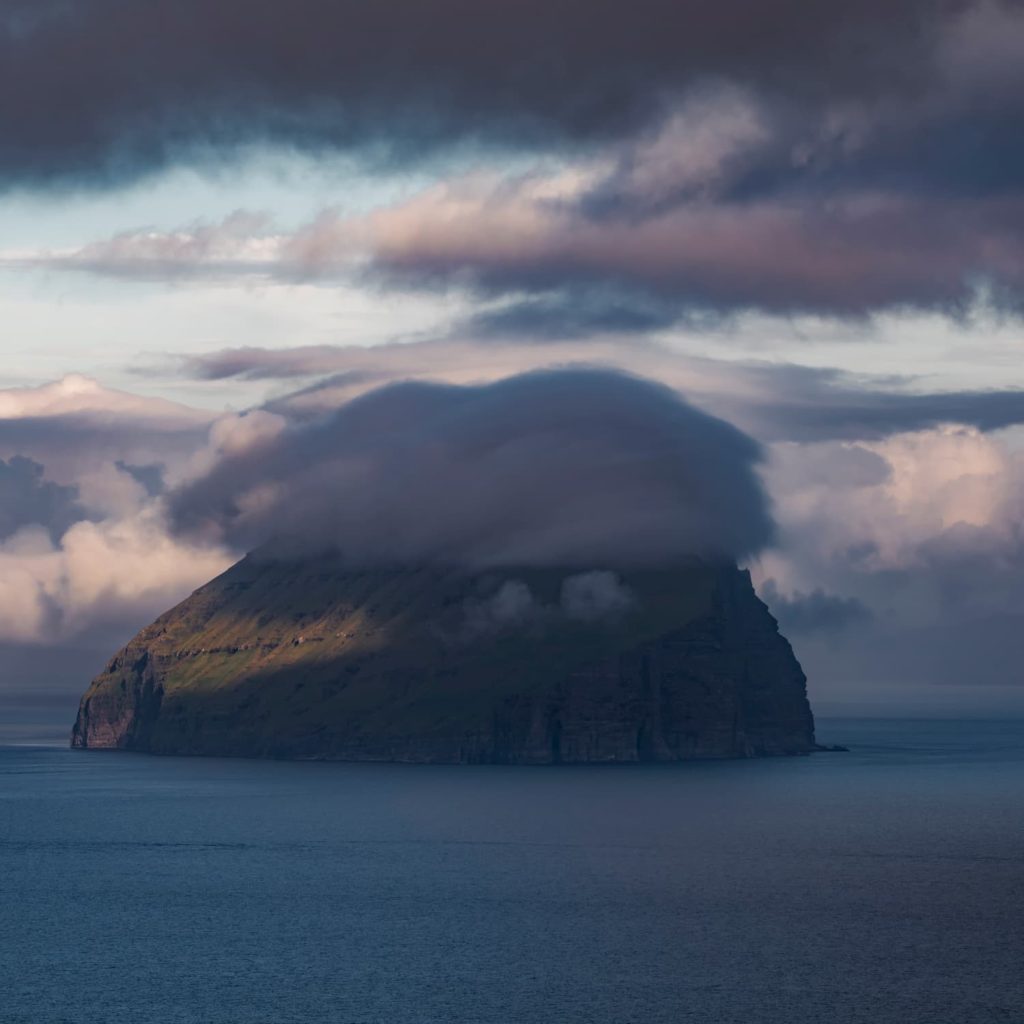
pixel 288 647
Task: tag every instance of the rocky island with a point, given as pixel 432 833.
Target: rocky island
pixel 311 659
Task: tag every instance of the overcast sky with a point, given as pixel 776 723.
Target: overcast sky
pixel 221 222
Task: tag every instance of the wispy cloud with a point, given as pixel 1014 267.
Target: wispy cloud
pixel 773 401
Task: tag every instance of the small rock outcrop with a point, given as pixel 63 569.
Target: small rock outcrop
pixel 313 660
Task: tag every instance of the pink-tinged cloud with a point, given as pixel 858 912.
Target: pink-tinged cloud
pixel 851 255
pixel 83 542
pixel 846 256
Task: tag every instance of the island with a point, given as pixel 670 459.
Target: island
pixel 316 658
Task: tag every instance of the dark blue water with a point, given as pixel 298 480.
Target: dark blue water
pixel 883 885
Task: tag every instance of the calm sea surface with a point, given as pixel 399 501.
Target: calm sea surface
pixel 882 885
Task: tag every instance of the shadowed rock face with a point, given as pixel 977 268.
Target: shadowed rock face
pixel 313 660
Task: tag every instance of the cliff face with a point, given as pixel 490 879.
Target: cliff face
pixel 309 660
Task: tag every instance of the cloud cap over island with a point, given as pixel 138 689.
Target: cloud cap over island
pixel 575 467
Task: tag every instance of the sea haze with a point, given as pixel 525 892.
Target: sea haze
pixel 881 885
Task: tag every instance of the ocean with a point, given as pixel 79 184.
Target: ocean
pixel 881 885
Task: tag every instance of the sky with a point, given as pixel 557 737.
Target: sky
pixel 259 258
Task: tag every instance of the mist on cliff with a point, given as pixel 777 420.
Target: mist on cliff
pixel 567 467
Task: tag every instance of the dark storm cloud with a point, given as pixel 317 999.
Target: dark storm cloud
pixel 27 498
pixel 92 87
pixel 587 468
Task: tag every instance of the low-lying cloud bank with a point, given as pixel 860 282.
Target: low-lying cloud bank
pixel 572 467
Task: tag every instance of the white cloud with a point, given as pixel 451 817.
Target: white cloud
pixel 920 535
pixel 118 570
pixel 79 395
pixel 591 596
pixel 107 558
pixel 889 502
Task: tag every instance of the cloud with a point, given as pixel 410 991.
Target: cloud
pixel 27 499
pixel 589 597
pixel 563 317
pixel 865 92
pixel 890 504
pixel 981 49
pixel 834 409
pixel 595 595
pixel 235 245
pixel 354 363
pixel 574 257
pixel 571 468
pixel 83 543
pixel 815 612
pixel 99 574
pixel 742 173
pixel 77 395
pixel 921 530
pixel 845 254
pixel 75 425
pixel 150 477
pixel 203 76
pixel 772 401
pixel 511 606
pixel 89 555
